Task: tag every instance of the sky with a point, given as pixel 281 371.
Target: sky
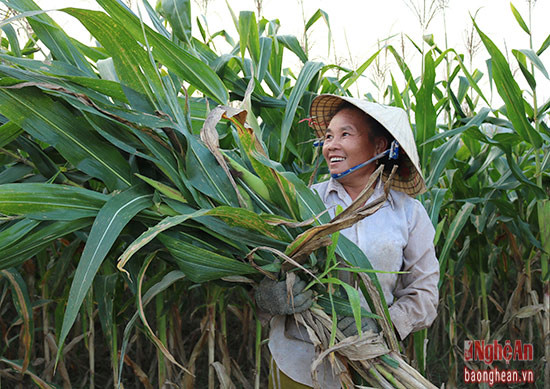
pixel 358 27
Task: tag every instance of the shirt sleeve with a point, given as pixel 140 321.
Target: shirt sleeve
pixel 416 293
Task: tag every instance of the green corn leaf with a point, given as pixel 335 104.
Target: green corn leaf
pixel 164 189
pixel 110 221
pixel 200 264
pixel 51 122
pixel 49 33
pixel 309 71
pixel 178 13
pixel 476 121
pixel 248 32
pixel 237 237
pixel 519 19
pixel 316 16
pixel 396 94
pixel 152 232
pixel 353 298
pixel 544 45
pixel 12 39
pixel 50 202
pixel 39 238
pixel 243 29
pixel 176 59
pixel 425 113
pixel 510 92
pixel 132 63
pixel 275 65
pixel 22 302
pixel 320 14
pixel 437 195
pixel 521 58
pixel 15 173
pixel 520 176
pixel 291 43
pixel 41 160
pixel 206 175
pixel 456 227
pixel 8 132
pixel 411 83
pixel 265 55
pixel 53 67
pixel 469 77
pixel 12 234
pixel 534 58
pixel 354 76
pixel 240 217
pixel 105 294
pixel 440 158
pixel 341 306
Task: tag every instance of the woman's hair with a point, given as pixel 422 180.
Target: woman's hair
pixel 377 130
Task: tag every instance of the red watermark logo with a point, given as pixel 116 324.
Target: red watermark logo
pixel 489 352
pixel 479 350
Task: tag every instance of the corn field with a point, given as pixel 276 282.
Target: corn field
pixel 149 182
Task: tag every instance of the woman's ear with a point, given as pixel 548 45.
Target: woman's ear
pixel 381 144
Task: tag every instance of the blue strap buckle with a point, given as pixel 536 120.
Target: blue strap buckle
pixel 394 150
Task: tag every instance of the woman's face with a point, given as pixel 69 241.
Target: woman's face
pixel 347 144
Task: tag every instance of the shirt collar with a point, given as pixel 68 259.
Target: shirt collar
pixel 335 186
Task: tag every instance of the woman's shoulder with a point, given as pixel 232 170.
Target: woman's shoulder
pixel 320 187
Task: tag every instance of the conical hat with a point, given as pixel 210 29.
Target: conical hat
pixel 393 119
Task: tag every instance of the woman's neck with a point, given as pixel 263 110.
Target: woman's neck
pixel 354 188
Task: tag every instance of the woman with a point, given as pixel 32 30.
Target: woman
pixel 357 135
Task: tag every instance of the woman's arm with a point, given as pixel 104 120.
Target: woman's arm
pixel 416 293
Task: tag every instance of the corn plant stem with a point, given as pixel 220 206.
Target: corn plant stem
pixel 483 281
pixel 211 335
pixel 452 328
pixel 379 379
pixel 114 353
pixel 393 380
pixel 45 324
pixel 161 328
pixel 91 338
pixel 404 377
pixel 447 73
pixel 404 366
pixel 258 354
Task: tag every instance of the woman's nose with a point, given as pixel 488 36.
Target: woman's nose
pixel 333 143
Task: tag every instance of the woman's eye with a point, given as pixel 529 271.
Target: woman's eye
pixel 328 136
pixel 345 133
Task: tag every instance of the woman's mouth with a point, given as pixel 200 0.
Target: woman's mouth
pixel 336 159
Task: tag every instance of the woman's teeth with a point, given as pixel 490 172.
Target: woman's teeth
pixel 336 159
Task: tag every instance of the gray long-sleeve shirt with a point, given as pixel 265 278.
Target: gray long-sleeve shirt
pixel 398 237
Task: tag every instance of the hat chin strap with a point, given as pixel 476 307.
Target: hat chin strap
pixel 392 152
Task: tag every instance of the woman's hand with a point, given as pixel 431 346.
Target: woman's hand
pixel 272 297
pixel 347 325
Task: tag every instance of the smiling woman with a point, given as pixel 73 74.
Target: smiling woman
pixel 398 237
